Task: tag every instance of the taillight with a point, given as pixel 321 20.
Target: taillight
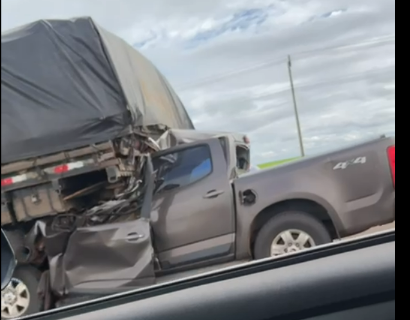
pixel 6 182
pixel 61 169
pixel 391 153
pixel 68 167
pixel 12 180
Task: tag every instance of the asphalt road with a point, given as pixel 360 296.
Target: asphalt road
pixel 190 273
pixel 376 229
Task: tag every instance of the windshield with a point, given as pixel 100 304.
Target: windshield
pixel 128 128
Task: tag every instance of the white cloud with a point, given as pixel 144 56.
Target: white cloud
pixel 227 60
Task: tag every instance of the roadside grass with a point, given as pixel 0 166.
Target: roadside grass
pixel 276 163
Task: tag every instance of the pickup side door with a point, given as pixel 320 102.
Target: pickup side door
pixel 103 259
pixel 192 214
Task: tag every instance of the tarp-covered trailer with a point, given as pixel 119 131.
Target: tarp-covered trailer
pixel 67 84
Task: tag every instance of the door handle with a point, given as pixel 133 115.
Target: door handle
pixel 133 236
pixel 213 194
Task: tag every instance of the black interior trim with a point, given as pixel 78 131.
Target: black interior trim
pixel 338 307
pixel 381 311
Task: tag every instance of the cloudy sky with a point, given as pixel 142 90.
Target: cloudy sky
pixel 227 61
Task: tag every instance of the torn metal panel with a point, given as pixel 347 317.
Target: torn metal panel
pixel 104 249
pixel 175 137
pixel 107 256
pixel 149 191
pixel 104 257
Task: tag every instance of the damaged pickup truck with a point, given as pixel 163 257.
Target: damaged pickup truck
pixel 107 187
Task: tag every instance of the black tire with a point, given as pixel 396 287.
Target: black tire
pixel 16 239
pixel 30 276
pixel 287 221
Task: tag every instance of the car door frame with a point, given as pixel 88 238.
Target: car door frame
pixel 215 249
pixel 73 272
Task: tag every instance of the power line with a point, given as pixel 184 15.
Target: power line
pixel 269 62
pixel 379 40
pixel 341 79
pixel 232 73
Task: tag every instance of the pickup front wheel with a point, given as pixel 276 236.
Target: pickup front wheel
pixel 20 297
pixel 290 232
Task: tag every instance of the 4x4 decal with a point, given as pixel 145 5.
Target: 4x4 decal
pixel 344 165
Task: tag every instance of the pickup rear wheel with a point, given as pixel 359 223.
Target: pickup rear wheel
pixel 290 232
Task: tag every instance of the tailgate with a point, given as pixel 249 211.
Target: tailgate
pixel 366 170
pixel 365 177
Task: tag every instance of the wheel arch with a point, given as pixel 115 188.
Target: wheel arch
pixel 308 206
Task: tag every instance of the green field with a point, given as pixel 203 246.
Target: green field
pixel 276 163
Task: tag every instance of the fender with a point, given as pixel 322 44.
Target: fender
pixel 248 216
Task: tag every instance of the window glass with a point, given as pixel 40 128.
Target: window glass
pixel 224 147
pixel 182 168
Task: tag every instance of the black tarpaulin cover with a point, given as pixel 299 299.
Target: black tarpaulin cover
pixel 69 83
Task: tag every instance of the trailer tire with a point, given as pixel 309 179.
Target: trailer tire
pixel 289 232
pixel 26 297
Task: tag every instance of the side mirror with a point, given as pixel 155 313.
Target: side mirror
pixel 8 261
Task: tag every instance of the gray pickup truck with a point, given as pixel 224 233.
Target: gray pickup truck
pixel 196 212
pixel 107 186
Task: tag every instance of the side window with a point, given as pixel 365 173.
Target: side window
pixel 242 158
pixel 182 168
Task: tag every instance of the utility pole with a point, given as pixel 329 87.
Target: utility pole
pixel 302 149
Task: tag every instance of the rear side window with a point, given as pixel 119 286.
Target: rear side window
pixel 182 168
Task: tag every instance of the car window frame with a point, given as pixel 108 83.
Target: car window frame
pixel 183 149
